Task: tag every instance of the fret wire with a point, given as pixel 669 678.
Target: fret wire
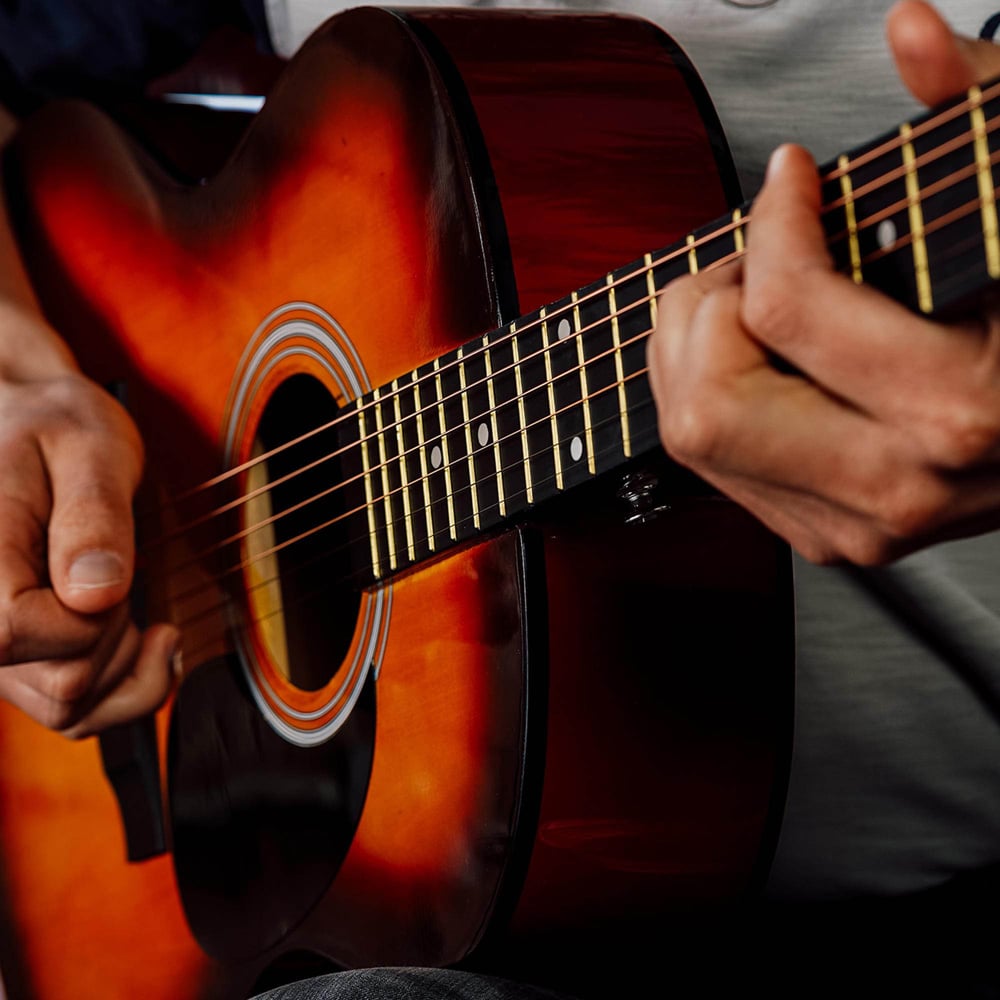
pixel 852 222
pixel 584 391
pixel 522 418
pixel 557 455
pixel 920 263
pixel 490 395
pixel 422 448
pixel 738 240
pixel 650 289
pixel 445 459
pixel 470 457
pixel 403 474
pixel 692 254
pixel 389 519
pixel 984 174
pixel 369 495
pixel 619 366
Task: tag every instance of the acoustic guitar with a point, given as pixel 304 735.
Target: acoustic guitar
pixel 473 674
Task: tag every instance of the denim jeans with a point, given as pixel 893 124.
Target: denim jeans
pixel 407 984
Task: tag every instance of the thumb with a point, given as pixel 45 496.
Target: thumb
pixel 90 539
pixel 933 62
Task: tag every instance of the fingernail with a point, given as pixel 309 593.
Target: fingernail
pixel 94 569
pixel 775 161
pixel 177 663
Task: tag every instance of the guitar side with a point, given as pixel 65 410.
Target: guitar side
pixel 526 772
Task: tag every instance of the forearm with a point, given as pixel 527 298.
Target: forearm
pixel 29 347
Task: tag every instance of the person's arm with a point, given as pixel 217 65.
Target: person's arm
pixel 889 439
pixel 70 460
pixel 70 457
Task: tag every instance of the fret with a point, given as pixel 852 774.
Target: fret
pixel 597 411
pixel 880 226
pixel 387 491
pixel 481 436
pixel 984 177
pixel 588 427
pixel 509 454
pixel 366 465
pixel 551 393
pixel 537 407
pixel 436 452
pixel 616 338
pixel 522 416
pixel 847 192
pixel 692 255
pixel 637 427
pixel 739 236
pixel 651 290
pixel 668 264
pixel 404 476
pixel 422 454
pixel 469 451
pixel 443 444
pixel 919 248
pixel 494 427
pixel 454 432
pixel 951 206
pixel 574 314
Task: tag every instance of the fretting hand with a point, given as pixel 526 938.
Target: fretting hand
pixel 889 440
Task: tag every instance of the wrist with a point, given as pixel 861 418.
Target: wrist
pixel 30 349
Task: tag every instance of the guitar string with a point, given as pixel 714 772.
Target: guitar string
pixel 672 254
pixel 468 519
pixel 541 422
pixel 216 609
pixel 641 303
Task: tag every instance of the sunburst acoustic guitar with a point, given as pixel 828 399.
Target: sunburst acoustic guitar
pixel 470 668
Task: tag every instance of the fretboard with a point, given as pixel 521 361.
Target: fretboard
pixel 475 439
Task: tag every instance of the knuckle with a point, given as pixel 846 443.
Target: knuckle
pixel 965 433
pixel 691 429
pixel 60 719
pixel 866 548
pixel 66 684
pixel 908 509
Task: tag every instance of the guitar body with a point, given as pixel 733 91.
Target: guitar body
pixel 578 726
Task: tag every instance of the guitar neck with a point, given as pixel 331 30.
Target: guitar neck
pixel 474 439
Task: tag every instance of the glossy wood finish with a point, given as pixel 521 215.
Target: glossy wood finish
pixel 499 787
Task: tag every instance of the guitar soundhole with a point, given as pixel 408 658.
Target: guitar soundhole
pixel 299 599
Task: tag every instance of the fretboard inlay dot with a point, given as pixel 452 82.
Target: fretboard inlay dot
pixel 886 234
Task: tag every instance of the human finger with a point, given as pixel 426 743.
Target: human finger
pixel 850 339
pixel 140 690
pixel 79 697
pixel 93 470
pixel 933 62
